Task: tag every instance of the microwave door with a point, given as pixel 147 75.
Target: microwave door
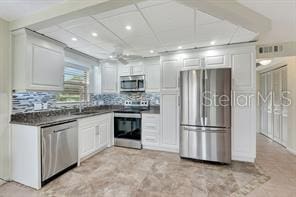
pixel 128 84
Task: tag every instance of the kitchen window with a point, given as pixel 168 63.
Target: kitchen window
pixel 76 85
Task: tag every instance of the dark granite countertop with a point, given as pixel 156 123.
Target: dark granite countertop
pixel 152 110
pixel 58 116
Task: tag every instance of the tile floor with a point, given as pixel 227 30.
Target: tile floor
pixel 127 172
pixel 1 182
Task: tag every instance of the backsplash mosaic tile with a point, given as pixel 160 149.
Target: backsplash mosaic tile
pixel 24 101
pixel 118 99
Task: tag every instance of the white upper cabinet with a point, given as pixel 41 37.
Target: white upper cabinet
pixel 152 74
pixel 133 68
pixel 38 62
pixel 206 59
pixel 244 69
pixel 109 77
pixel 170 67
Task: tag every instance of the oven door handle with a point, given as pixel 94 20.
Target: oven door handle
pixel 127 115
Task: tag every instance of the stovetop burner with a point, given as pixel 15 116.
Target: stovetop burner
pixel 134 107
pixel 129 110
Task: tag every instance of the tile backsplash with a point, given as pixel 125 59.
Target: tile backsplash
pixel 118 99
pixel 24 101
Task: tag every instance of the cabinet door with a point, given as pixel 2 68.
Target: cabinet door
pixel 47 68
pixel 102 131
pixel 124 70
pixel 170 74
pixel 138 70
pixel 217 61
pixel 244 127
pixel 243 70
pixel 109 79
pixel 86 141
pixel 152 74
pixel 170 121
pixel 150 129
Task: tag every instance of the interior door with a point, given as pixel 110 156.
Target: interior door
pixel 269 105
pixel 217 97
pixel 284 103
pixel 191 96
pixel 277 112
pixel 263 104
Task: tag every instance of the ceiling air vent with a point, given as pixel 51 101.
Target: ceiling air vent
pixel 270 49
pixel 276 50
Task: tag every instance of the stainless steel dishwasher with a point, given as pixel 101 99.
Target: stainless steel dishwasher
pixel 59 149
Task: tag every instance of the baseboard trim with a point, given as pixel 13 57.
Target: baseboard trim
pixel 244 159
pixel 159 148
pixel 291 150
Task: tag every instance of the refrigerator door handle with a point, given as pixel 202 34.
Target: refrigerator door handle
pixel 201 98
pixel 205 129
pixel 206 120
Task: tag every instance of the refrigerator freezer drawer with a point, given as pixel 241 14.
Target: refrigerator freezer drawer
pixel 205 144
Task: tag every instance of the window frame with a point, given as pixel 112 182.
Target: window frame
pixel 79 67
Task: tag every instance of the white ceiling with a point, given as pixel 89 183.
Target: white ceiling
pixel 282 14
pixel 15 9
pixel 159 25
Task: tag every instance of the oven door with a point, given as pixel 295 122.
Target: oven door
pixel 127 126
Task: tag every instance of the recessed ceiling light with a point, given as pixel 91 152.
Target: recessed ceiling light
pixel 151 51
pixel 213 43
pixel 111 56
pixel 74 39
pixel 94 34
pixel 265 62
pixel 180 47
pixel 128 27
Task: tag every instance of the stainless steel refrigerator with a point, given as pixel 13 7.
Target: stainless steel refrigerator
pixel 206 115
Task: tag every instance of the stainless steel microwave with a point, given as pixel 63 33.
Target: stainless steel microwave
pixel 132 83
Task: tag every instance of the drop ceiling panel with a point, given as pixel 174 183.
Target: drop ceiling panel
pixel 150 3
pixel 66 37
pixel 243 35
pixel 134 19
pixel 94 51
pixel 216 30
pixel 177 36
pixel 142 42
pixel 169 16
pixel 77 22
pixel 203 18
pixel 116 12
pixel 85 31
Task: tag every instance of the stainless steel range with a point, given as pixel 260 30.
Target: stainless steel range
pixel 127 124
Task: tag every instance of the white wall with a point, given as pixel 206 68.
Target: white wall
pixel 292 109
pixel 4 99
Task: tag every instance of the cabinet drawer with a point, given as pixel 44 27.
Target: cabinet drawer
pixel 149 118
pixel 150 126
pixel 150 137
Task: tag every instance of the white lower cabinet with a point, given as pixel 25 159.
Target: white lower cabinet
pixel 150 131
pixel 161 131
pixel 94 134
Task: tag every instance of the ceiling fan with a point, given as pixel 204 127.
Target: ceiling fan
pixel 124 58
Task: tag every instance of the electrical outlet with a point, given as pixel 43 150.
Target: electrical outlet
pixel 44 106
pixel 37 106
